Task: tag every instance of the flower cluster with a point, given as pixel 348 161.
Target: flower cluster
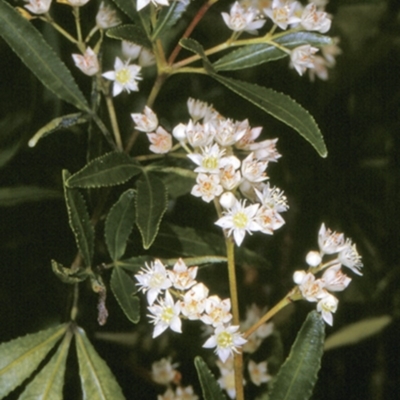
pixel 342 253
pixel 191 302
pixel 164 373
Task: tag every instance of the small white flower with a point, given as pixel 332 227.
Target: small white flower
pixel 185 393
pixel 240 19
pixel 313 20
pixel 230 177
pixel 302 57
pixel 198 109
pixel 87 62
pixel 330 242
pixel 207 187
pixel 282 13
pixel 77 3
pixel 227 340
pixel 163 372
pixel 265 150
pixel 146 122
pixel 193 303
pixel 182 277
pixel 334 279
pixel 258 372
pixel 240 219
pixel 313 258
pixel 272 197
pixel 326 306
pixel 130 50
pixel 217 311
pixel 161 141
pixel 311 289
pixel 208 162
pixel 227 133
pixel 125 77
pixel 199 135
pixel 227 382
pixel 269 220
pixel 249 137
pixel 38 6
pixel 143 3
pixel 106 17
pixel 350 258
pixel 165 315
pixel 153 279
pixel 253 169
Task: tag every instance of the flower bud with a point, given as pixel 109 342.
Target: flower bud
pixel 179 132
pixel 87 62
pixel 313 258
pixel 227 200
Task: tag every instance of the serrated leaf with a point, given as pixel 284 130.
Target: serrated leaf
pixel 48 384
pixel 56 124
pixel 354 333
pixel 20 357
pixel 177 241
pixel 119 224
pixel 79 221
pixel 256 54
pixel 191 261
pixel 151 204
pixel 12 196
pixel 67 275
pixel 110 169
pixel 133 264
pixel 281 107
pixel 209 385
pixel 298 375
pixel 39 57
pixel 196 47
pixel 124 289
pixel 128 7
pixel 98 382
pixel 169 16
pixel 131 33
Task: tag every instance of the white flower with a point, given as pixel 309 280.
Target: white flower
pixel 228 133
pixel 227 340
pixel 38 6
pixel 350 258
pixel 240 19
pixel 161 141
pixel 230 177
pixel 314 20
pixel 153 279
pixel 272 197
pixel 264 150
pixel 193 303
pixel 227 382
pixel 168 395
pixel 165 315
pixel 208 162
pixel 106 17
pixel 181 276
pixel 258 372
pixel 185 393
pixel 253 169
pixel 198 109
pixel 249 137
pixel 311 289
pixel 313 258
pixel 334 279
pixel 208 187
pixel 302 57
pixel 77 3
pixel 217 311
pixel 330 242
pixel 240 219
pixel 326 306
pixel 269 220
pixel 130 50
pixel 125 76
pixel 163 372
pixel 199 135
pixel 87 62
pixel 146 122
pixel 282 13
pixel 143 3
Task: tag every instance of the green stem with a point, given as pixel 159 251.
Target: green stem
pixel 81 45
pixel 47 18
pixel 114 122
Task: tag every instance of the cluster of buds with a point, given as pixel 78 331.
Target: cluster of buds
pixel 164 373
pixel 211 141
pixel 174 294
pixel 342 252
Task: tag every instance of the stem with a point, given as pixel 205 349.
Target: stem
pixel 238 358
pixel 293 295
pixel 75 11
pixel 58 28
pixel 197 18
pixel 74 308
pixel 114 121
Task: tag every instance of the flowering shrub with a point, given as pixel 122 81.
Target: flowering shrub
pixel 128 187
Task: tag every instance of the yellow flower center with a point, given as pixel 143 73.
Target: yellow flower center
pixel 224 339
pixel 240 220
pixel 156 280
pixel 210 162
pixel 123 76
pixel 167 314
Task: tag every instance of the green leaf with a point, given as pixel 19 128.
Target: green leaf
pixel 256 54
pixel 280 106
pixel 354 333
pixel 191 261
pixel 131 33
pixel 56 124
pixel 79 221
pixel 119 224
pixel 128 7
pixel 20 357
pixel 196 47
pixel 133 264
pixel 39 57
pixel 151 204
pixel 209 385
pixel 98 382
pixel 68 275
pixel 12 196
pixel 108 170
pixel 168 17
pixel 48 384
pixel 124 289
pixel 298 375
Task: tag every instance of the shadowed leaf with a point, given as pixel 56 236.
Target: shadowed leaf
pixel 209 385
